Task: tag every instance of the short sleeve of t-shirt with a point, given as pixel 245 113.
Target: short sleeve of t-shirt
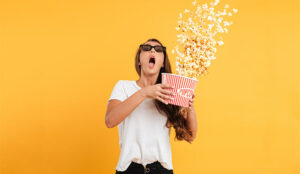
pixel 118 92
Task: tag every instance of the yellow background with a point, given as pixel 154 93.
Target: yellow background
pixel 59 61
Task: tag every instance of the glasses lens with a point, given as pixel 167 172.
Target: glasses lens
pixel 158 48
pixel 146 47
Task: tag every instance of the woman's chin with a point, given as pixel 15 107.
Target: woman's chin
pixel 152 71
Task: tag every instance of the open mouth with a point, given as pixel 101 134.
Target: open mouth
pixel 151 62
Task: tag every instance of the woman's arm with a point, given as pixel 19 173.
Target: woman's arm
pixel 117 111
pixel 191 118
pixel 192 122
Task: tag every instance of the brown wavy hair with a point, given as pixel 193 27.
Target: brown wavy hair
pixel 176 114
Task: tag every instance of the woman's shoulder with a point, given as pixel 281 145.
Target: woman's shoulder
pixel 126 83
pixel 126 80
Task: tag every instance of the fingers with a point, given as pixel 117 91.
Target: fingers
pixel 191 100
pixel 193 95
pixel 162 97
pixel 191 103
pixel 167 92
pixel 166 96
pixel 162 100
pixel 166 86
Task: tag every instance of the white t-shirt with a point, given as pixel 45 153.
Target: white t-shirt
pixel 143 136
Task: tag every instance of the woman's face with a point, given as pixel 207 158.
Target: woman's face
pixel 147 65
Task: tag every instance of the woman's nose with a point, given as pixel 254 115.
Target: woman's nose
pixel 153 50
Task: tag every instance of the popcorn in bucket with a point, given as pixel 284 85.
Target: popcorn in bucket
pixel 183 88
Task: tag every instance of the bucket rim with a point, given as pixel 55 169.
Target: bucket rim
pixel 181 76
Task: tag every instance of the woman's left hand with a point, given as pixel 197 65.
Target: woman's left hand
pixel 191 101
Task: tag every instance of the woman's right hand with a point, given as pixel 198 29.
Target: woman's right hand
pixel 159 92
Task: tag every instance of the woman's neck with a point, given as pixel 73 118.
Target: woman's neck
pixel 147 81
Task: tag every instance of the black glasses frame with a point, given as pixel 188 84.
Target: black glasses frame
pixel 156 47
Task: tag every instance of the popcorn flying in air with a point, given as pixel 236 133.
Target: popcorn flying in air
pixel 198 38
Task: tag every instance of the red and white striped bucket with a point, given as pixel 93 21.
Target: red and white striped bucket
pixel 184 88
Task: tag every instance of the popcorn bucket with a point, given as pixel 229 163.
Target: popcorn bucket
pixel 183 88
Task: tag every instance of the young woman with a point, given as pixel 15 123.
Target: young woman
pixel 144 118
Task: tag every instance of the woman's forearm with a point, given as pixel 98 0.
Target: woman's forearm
pixel 123 109
pixel 192 122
